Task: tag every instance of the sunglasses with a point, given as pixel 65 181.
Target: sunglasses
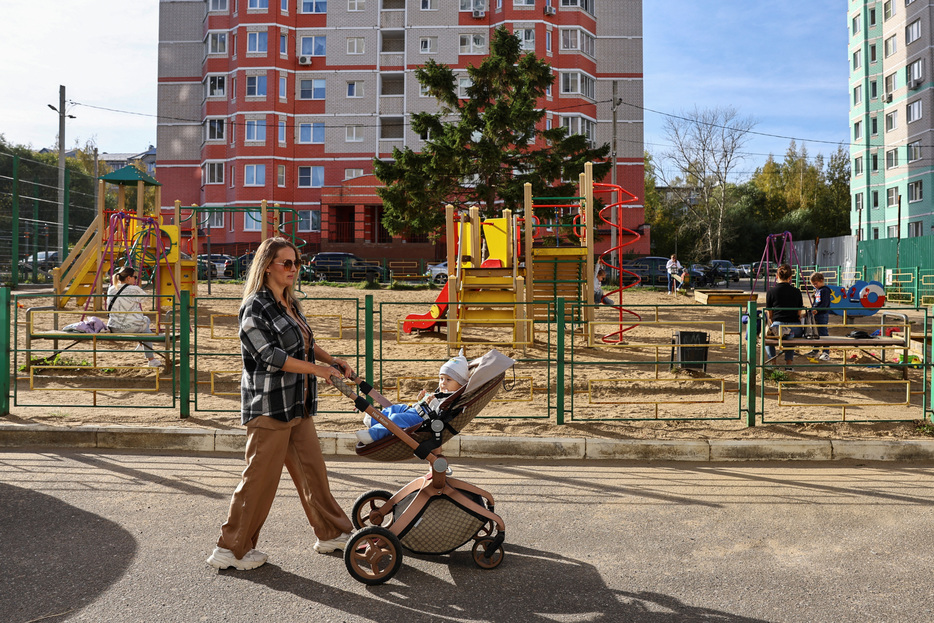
pixel 289 264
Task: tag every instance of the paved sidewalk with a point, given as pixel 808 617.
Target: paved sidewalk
pixel 473 446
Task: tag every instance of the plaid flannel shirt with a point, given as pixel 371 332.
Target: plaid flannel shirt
pixel 267 337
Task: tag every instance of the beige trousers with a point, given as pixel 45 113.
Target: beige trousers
pixel 270 444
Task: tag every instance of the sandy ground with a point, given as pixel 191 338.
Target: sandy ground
pixel 626 390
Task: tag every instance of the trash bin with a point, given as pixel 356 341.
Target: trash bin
pixel 689 349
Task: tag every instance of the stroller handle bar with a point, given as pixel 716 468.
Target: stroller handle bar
pixel 421 450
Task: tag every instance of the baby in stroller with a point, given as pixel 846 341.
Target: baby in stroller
pixel 451 377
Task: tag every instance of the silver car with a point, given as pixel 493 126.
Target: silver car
pixel 438 273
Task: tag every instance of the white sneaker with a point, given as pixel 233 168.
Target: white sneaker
pixel 155 363
pixel 326 547
pixel 368 420
pixel 222 558
pixel 139 346
pixel 364 437
pixel 824 357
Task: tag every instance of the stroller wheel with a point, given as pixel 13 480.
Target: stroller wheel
pixel 366 504
pixel 373 555
pixel 479 557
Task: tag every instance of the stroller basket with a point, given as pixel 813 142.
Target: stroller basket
pixel 458 411
pixel 442 526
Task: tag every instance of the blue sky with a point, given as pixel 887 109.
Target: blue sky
pixel 782 62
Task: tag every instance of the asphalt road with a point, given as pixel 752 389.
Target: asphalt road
pixel 90 536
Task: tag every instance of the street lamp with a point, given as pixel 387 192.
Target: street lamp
pixel 62 115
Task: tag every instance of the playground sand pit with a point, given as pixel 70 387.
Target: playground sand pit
pixel 620 391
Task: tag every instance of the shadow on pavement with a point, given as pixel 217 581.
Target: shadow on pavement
pixel 56 558
pixel 530 585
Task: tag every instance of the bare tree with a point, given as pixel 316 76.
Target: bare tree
pixel 704 154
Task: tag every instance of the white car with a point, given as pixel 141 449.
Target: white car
pixel 438 273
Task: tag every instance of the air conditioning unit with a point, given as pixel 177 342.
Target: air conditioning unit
pixel 914 84
pixel 550 10
pixel 477 14
pixel 888 97
pixel 304 60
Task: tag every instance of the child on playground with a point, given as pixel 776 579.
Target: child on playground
pixel 126 297
pixel 452 376
pixel 598 296
pixel 820 312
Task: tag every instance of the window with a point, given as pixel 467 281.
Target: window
pixel 914 229
pixel 856 22
pixel 873 90
pixel 523 2
pixel 463 85
pixel 874 162
pixel 915 191
pixel 914 111
pixel 280 175
pixel 548 41
pixel 212 220
pixel 284 6
pixel 872 53
pixel 311 133
pixel 283 88
pixel 353 133
pixel 217 43
pixel 281 131
pixel 312 89
pixel 890 46
pixel 872 17
pixel 255 130
pixel 315 46
pixel 355 45
pixel 256 86
pixel 857 59
pixel 891 121
pixel 356 5
pixel 857 202
pixel 355 88
pixel 874 125
pixel 577 39
pixel 914 151
pixel 913 32
pixel 256 42
pixel 857 130
pixel 891 159
pixel 429 5
pixel 217 5
pixel 473 44
pixel 391 128
pixel 888 9
pixel 893 231
pixel 315 6
pixel 392 84
pixel 526 38
pixel 349 174
pixel 875 198
pixel 857 166
pixel 914 71
pixel 575 82
pixel 257 4
pixel 254 175
pixel 891 196
pixel 309 220
pixel 857 94
pixel 214 129
pixel 890 83
pixel 310 177
pixel 251 221
pixel 213 173
pixel 473 5
pixel 579 125
pixel 216 86
pixel 283 45
pixel 428 45
pixel 875 233
pixel 587 5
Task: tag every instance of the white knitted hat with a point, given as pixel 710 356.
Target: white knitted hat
pixel 456 368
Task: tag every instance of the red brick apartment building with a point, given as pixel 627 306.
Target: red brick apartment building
pixel 290 100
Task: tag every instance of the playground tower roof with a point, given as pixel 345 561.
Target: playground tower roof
pixel 130 175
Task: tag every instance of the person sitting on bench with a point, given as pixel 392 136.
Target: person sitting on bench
pixel 784 295
pixel 126 298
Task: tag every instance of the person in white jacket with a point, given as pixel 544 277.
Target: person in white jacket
pixel 674 269
pixel 125 299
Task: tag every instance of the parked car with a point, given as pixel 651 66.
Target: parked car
pixel 221 261
pixel 241 265
pixel 745 271
pixel 204 267
pixel 726 268
pixel 651 271
pixel 44 260
pixel 336 266
pixel 438 273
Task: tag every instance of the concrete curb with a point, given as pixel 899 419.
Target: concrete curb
pixel 472 446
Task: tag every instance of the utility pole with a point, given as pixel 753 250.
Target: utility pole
pixel 61 169
pixel 614 215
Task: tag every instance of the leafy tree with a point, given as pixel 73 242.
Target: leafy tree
pixel 482 149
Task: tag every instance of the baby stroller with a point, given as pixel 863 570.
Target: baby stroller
pixel 433 514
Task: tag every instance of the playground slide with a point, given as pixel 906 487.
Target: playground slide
pixel 427 321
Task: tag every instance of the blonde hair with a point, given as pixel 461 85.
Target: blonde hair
pixel 265 255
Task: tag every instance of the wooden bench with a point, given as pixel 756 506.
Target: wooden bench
pixel 853 343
